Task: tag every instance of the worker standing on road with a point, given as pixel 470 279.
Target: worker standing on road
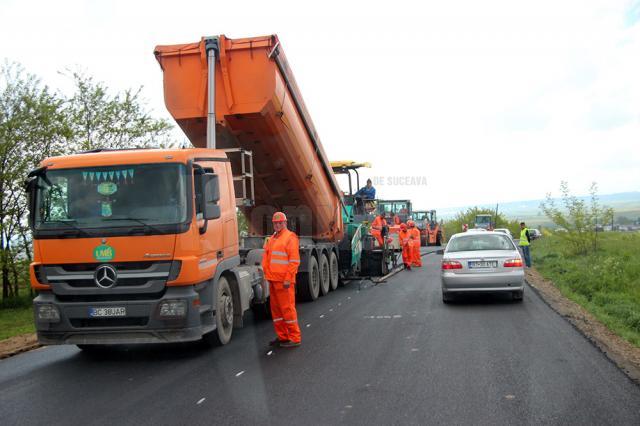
pixel 280 262
pixel 525 241
pixel 407 246
pixel 416 260
pixel 395 219
pixel 376 228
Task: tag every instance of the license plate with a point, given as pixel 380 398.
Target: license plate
pixel 479 264
pixel 107 312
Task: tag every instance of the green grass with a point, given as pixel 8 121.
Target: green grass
pixel 16 321
pixel 606 283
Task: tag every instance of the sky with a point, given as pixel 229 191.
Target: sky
pixel 453 103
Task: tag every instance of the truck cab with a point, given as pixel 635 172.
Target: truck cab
pixel 137 246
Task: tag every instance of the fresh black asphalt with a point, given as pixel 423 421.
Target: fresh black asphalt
pixel 392 353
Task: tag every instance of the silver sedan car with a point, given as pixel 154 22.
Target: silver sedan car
pixel 481 262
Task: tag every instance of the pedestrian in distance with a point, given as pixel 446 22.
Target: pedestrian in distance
pixel 525 242
pixel 414 232
pixel 280 263
pixel 407 246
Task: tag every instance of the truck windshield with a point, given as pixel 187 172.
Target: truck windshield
pixel 108 197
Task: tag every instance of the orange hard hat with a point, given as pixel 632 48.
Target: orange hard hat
pixel 403 226
pixel 279 217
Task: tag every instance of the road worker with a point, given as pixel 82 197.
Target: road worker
pixel 407 245
pixel 280 262
pixel 395 219
pixel 376 228
pixel 416 260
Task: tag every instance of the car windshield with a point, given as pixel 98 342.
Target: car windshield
pixel 480 242
pixel 101 197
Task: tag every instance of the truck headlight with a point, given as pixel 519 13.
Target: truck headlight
pixel 47 313
pixel 173 308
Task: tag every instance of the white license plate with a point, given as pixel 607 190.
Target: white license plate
pixel 107 312
pixel 478 264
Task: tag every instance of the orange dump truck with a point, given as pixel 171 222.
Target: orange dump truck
pixel 142 245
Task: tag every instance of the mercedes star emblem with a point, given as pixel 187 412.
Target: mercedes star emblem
pixel 105 276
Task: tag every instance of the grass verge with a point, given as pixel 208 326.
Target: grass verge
pixel 16 321
pixel 606 282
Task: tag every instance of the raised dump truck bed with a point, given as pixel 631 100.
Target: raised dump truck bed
pixel 258 108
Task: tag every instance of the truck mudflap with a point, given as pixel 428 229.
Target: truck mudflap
pixel 177 316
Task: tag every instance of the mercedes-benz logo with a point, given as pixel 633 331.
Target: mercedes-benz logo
pixel 105 276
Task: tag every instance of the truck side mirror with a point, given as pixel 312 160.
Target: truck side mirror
pixel 30 186
pixel 210 196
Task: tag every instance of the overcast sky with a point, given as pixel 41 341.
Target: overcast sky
pixel 485 100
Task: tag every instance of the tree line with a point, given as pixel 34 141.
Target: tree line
pixel 36 122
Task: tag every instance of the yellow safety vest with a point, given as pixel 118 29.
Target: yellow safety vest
pixel 523 237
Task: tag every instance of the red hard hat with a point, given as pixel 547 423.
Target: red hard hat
pixel 279 217
pixel 403 226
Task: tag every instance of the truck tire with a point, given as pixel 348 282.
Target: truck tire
pixel 334 273
pixel 224 316
pixel 309 285
pixel 325 275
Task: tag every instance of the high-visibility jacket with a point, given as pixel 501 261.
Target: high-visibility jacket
pixel 415 233
pixel 281 257
pixel 407 245
pixel 378 223
pixel 524 237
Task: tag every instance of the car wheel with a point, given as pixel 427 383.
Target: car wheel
pixel 447 297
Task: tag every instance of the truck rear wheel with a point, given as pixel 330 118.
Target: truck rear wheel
pixel 309 285
pixel 224 316
pixel 325 275
pixel 334 273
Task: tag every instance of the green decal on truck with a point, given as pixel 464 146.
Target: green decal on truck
pixel 104 252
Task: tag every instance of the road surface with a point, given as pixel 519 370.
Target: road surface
pixel 385 354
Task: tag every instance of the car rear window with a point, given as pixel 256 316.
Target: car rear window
pixel 480 242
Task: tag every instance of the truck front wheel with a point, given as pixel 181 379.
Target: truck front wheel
pixel 224 316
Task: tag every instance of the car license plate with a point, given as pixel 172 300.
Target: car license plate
pixel 107 312
pixel 480 264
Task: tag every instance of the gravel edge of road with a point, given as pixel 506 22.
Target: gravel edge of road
pixel 18 344
pixel 622 353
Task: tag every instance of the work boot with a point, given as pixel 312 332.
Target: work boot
pixel 407 267
pixel 276 342
pixel 289 344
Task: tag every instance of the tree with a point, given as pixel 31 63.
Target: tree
pixel 33 125
pixel 578 218
pixel 101 120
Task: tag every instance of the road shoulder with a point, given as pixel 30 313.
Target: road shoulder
pixel 17 344
pixel 622 353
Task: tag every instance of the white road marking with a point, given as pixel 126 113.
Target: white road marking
pixel 200 401
pixel 322 316
pixel 330 310
pixel 397 316
pixel 269 353
pixel 240 373
pixel 348 406
pixel 414 349
pixel 510 396
pixel 308 325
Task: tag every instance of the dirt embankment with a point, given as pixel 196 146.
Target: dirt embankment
pixel 622 353
pixel 15 345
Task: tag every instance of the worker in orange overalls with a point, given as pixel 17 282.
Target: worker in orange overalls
pixel 395 218
pixel 280 262
pixel 416 260
pixel 407 245
pixel 376 228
